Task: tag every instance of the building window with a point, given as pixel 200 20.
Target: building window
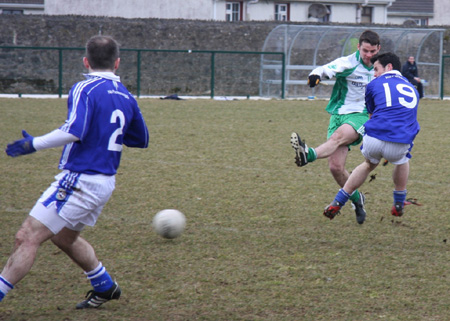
pixel 421 22
pixel 366 15
pixel 233 11
pixel 12 11
pixel 282 12
pixel 327 17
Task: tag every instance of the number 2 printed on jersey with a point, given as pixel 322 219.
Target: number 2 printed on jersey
pixel 116 115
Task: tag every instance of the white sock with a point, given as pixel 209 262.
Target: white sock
pixel 5 286
pixel 99 270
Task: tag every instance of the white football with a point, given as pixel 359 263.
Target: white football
pixel 169 223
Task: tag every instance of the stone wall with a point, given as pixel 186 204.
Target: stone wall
pixel 33 71
pixel 162 73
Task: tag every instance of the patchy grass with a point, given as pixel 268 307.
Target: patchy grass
pixel 256 246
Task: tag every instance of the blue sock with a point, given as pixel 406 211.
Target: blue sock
pixel 342 197
pixel 400 196
pixel 5 286
pixel 100 279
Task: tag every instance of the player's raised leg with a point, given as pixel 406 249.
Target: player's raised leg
pixel 300 149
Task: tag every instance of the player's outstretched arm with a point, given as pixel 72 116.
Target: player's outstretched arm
pixel 22 146
pixel 30 144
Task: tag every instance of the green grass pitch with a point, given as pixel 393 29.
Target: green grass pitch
pixel 256 245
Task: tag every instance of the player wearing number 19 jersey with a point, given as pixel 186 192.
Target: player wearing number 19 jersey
pixel 392 103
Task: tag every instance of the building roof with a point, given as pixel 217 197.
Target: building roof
pixel 412 6
pixel 22 2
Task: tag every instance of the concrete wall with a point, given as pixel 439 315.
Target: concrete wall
pixel 162 74
pixel 379 14
pixel 263 11
pixel 344 12
pixel 165 9
pixel 441 13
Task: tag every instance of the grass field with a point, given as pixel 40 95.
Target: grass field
pixel 256 246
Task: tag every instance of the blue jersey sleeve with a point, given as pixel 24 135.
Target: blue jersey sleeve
pixel 137 132
pixel 370 103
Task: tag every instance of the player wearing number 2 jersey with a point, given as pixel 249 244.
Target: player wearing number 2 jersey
pixel 392 102
pixel 102 117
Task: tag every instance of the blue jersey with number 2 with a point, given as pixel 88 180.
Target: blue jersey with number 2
pixel 392 102
pixel 104 116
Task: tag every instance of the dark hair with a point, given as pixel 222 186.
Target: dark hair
pixel 102 52
pixel 387 58
pixel 370 37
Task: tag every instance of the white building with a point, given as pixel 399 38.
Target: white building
pixel 441 12
pixel 341 11
pixel 22 7
pixel 347 11
pixel 420 12
pixel 411 12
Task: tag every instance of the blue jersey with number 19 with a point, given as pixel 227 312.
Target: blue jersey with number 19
pixel 104 116
pixel 392 102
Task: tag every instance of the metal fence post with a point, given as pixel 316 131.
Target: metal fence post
pixel 442 75
pixel 283 75
pixel 138 84
pixel 213 58
pixel 60 72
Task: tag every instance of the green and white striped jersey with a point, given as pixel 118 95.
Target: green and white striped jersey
pixel 352 77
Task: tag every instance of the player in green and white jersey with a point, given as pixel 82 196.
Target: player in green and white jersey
pixel 348 112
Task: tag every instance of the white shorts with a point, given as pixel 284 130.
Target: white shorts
pixel 375 149
pixel 73 201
